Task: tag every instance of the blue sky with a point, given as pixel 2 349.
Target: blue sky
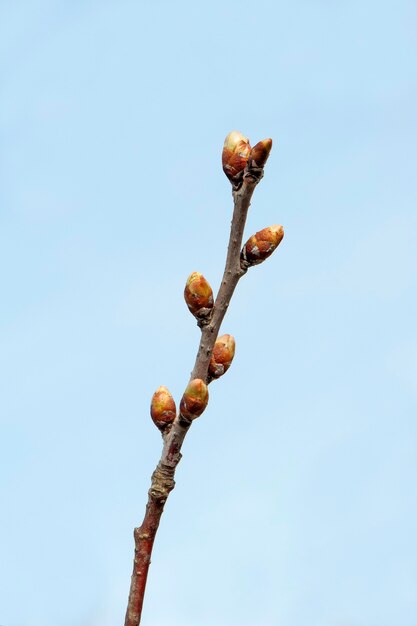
pixel 295 500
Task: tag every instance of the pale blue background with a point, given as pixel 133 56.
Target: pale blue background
pixel 296 497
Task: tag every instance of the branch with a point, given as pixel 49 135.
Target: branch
pixel 244 181
pixel 232 273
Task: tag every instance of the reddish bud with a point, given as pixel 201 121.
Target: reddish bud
pixel 260 153
pixel 222 355
pixel 235 154
pixel 261 245
pixel 198 295
pixel 163 409
pixel 195 399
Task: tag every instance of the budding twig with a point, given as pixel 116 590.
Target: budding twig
pixel 244 168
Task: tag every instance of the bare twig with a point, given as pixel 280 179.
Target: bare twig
pixel 163 476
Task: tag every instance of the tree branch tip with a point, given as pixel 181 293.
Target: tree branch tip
pixel 244 167
pixel 241 162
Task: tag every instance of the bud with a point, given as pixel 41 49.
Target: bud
pixel 198 295
pixel 163 409
pixel 235 155
pixel 222 356
pixel 261 245
pixel 195 399
pixel 260 153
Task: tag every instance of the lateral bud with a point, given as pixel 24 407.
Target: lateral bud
pixel 194 399
pixel 236 151
pixel 222 356
pixel 198 296
pixel 163 409
pixel 261 245
pixel 260 153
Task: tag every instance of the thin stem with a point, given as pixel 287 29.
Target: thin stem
pixel 232 273
pixel 163 476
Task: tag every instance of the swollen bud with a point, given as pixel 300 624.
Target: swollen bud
pixel 163 409
pixel 222 356
pixel 261 245
pixel 235 155
pixel 195 399
pixel 198 295
pixel 260 153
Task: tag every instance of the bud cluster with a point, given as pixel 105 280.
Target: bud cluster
pixel 193 402
pixel 237 155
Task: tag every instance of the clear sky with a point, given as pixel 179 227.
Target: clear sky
pixel 296 501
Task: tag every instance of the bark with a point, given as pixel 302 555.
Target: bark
pixel 163 477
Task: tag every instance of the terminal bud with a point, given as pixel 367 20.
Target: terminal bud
pixel 261 245
pixel 198 295
pixel 222 356
pixel 236 151
pixel 260 153
pixel 163 409
pixel 195 399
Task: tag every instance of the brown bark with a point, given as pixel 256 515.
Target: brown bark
pixel 163 476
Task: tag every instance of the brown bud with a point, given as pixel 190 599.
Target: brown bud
pixel 195 399
pixel 163 409
pixel 260 153
pixel 235 155
pixel 222 356
pixel 198 295
pixel 261 245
